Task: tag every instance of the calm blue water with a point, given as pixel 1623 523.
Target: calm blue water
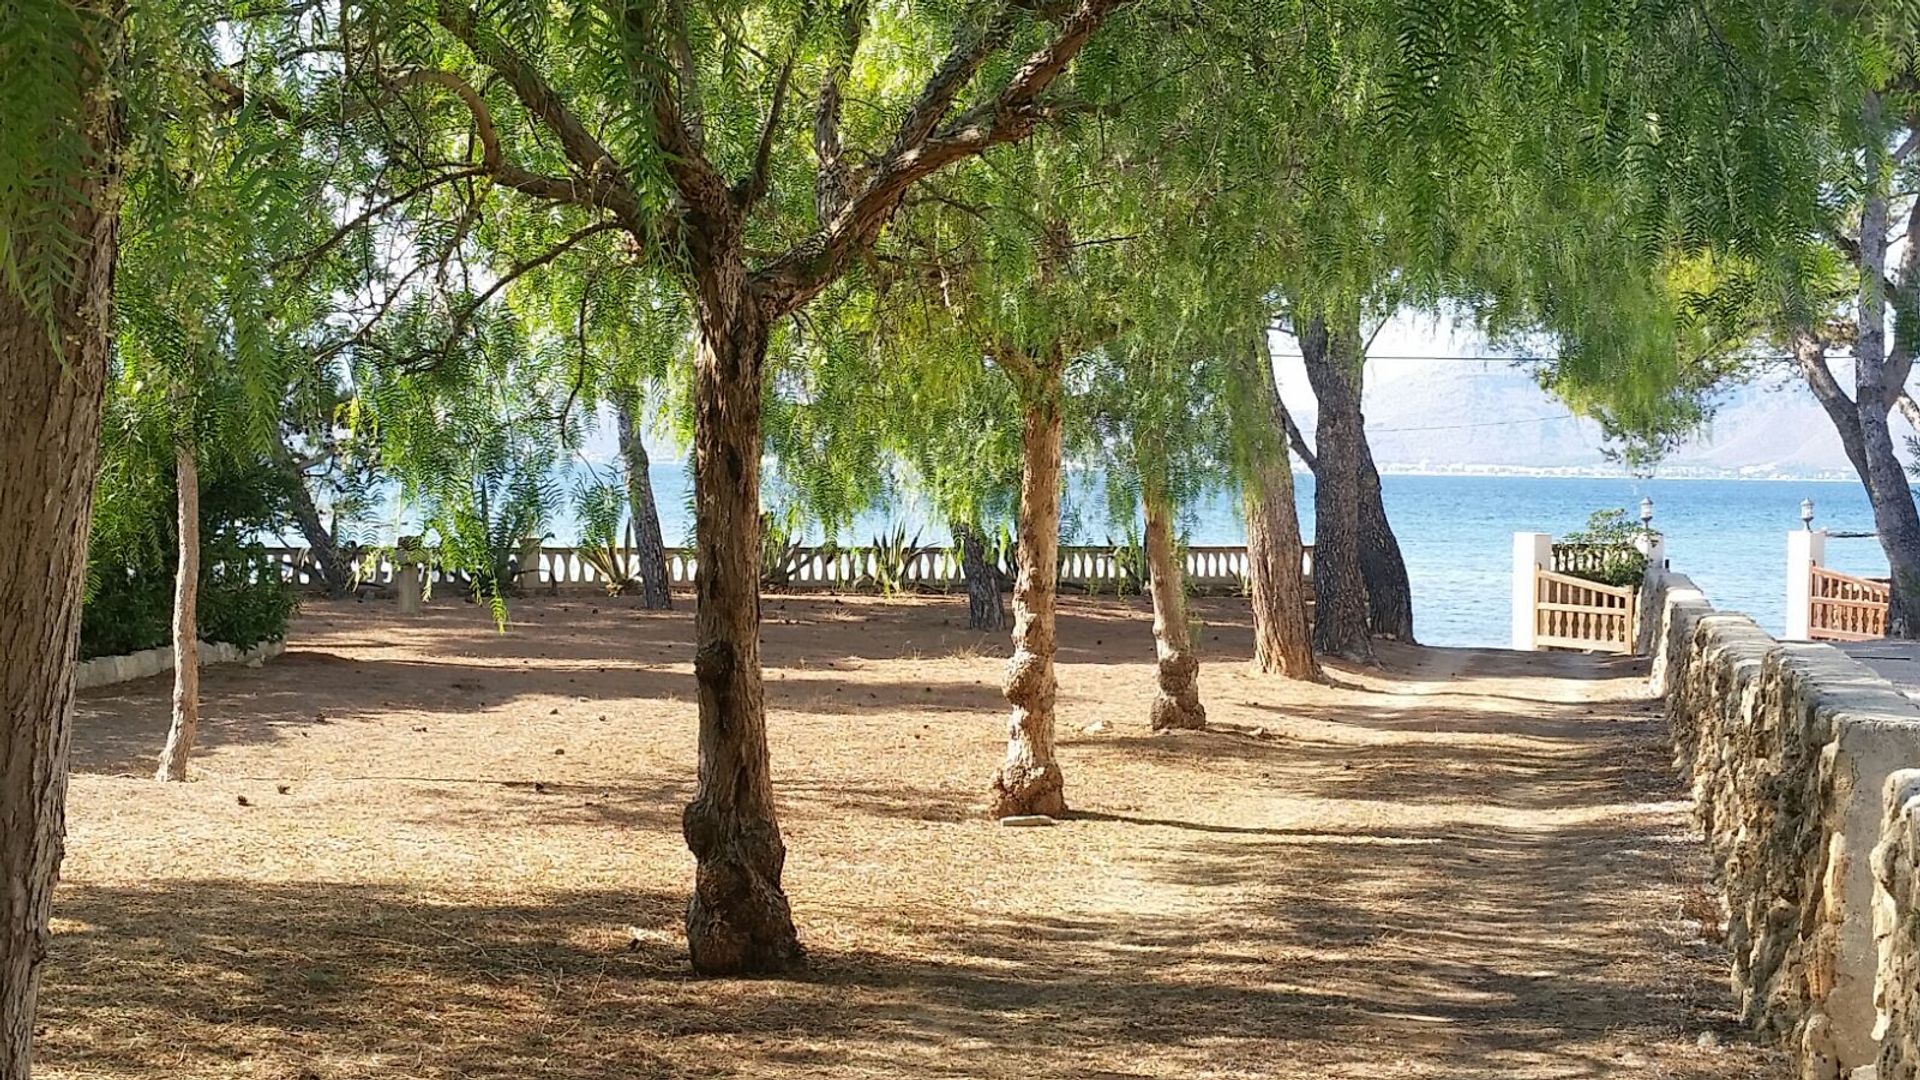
pixel 1456 533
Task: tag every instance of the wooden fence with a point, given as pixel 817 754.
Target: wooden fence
pixel 1574 613
pixel 1842 607
pixel 1212 569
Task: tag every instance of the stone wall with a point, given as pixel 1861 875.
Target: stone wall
pixel 1788 748
pixel 1896 901
pixel 107 670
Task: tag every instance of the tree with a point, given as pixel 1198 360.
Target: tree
pixel 666 124
pixel 186 619
pixel 1161 428
pixel 1338 378
pixel 210 337
pixel 60 157
pixel 1340 604
pixel 649 546
pixel 1282 632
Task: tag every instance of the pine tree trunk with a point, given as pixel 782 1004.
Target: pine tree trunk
pixel 1340 606
pixel 1282 632
pixel 985 610
pixel 1177 704
pixel 1895 517
pixel 50 394
pixel 1029 781
pixel 656 587
pixel 186 625
pixel 738 920
pixel 334 571
pixel 1389 593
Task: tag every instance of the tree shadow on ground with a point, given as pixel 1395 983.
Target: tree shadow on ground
pixel 321 980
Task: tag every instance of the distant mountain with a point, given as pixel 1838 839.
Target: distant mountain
pixel 1434 415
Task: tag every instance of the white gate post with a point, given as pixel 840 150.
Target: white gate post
pixel 1531 551
pixel 1806 549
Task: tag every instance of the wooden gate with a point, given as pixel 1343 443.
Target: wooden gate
pixel 1574 613
pixel 1842 607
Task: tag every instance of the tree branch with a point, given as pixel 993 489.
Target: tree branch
pixel 375 211
pixel 1009 116
pixel 603 183
pixel 754 186
pixel 1298 441
pixel 944 85
pixel 1909 409
pixel 832 185
pixel 702 189
pixel 520 270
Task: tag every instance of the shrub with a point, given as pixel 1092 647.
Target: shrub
pixel 1606 550
pixel 134 550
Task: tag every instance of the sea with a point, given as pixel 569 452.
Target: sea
pixel 1729 536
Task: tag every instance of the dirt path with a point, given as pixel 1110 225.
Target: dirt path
pixel 458 856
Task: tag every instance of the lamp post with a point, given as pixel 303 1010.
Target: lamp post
pixel 1646 512
pixel 1806 514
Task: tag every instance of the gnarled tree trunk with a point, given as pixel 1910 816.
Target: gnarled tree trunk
pixel 1340 608
pixel 738 920
pixel 1282 632
pixel 985 610
pixel 334 570
pixel 1895 517
pixel 656 588
pixel 1029 781
pixel 1389 593
pixel 53 367
pixel 1177 704
pixel 186 621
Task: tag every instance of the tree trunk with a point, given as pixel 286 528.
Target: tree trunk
pixel 1282 633
pixel 1895 518
pixel 53 366
pixel 186 624
pixel 985 609
pixel 656 587
pixel 334 571
pixel 1340 607
pixel 738 920
pixel 1177 704
pixel 1389 593
pixel 1029 781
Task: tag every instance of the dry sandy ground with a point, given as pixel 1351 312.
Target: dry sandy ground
pixel 415 849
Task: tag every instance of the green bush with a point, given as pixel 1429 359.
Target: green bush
pixel 1610 556
pixel 133 553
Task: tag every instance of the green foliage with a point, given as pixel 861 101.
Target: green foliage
pixel 1605 550
pixel 59 63
pixel 600 507
pixel 893 556
pixel 472 437
pixel 783 551
pixel 134 549
pixel 1130 571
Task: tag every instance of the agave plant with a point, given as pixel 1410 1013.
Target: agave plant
pixel 600 507
pixel 782 554
pixel 1129 566
pixel 893 559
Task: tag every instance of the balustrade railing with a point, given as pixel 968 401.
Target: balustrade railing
pixel 1212 568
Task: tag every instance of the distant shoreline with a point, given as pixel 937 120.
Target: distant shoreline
pixel 1579 473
